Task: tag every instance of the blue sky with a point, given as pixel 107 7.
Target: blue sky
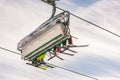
pixel 101 59
pixel 84 3
pixel 86 65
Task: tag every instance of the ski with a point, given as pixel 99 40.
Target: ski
pixel 41 66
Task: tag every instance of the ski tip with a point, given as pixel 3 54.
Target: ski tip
pixel 44 67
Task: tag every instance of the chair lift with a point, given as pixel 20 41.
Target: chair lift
pixel 52 37
pixel 45 37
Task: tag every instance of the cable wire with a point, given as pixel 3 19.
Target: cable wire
pixel 73 71
pixel 117 35
pixel 9 50
pixel 53 65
